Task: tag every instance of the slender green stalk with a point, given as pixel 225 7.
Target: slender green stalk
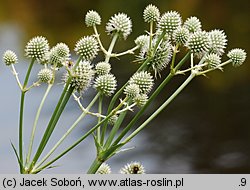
pixel 151 27
pixel 111 47
pixel 162 107
pixel 21 113
pixel 36 121
pixel 69 131
pixel 152 97
pixel 99 118
pixel 67 91
pixel 173 58
pixel 116 126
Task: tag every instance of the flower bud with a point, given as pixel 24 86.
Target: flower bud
pixel 141 100
pixel 112 120
pixel 142 41
pixel 181 35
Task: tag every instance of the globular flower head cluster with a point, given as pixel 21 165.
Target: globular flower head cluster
pixel 82 76
pixel 237 56
pixel 87 47
pixel 170 21
pixel 106 84
pixel 102 68
pixel 144 80
pixel 193 24
pixel 119 23
pixel 37 48
pixel 133 168
pixel 151 13
pixel 45 75
pixel 92 18
pixel 9 57
pixel 104 169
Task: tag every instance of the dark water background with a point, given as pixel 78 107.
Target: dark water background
pixel 205 130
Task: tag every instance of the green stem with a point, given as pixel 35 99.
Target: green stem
pixel 173 58
pixel 94 166
pixel 116 126
pixel 151 34
pixel 162 107
pixel 111 47
pixel 21 114
pixel 78 141
pixel 68 131
pixel 152 97
pixel 67 91
pixel 99 118
pixel 36 121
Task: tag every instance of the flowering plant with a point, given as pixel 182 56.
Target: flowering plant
pixel 155 51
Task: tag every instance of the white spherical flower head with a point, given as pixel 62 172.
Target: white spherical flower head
pixel 132 90
pixel 104 169
pixel 170 21
pixel 237 56
pixel 63 50
pixel 193 24
pixel 37 48
pixel 141 100
pixel 9 57
pixel 45 75
pixel 151 13
pixel 199 42
pixel 87 47
pixel 144 80
pixel 82 76
pixel 133 168
pixel 106 84
pixel 142 41
pixel 213 60
pixel 181 35
pixel 92 18
pixel 119 23
pixel 218 41
pixel 102 68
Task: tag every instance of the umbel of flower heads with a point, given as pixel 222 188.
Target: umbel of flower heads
pixel 157 49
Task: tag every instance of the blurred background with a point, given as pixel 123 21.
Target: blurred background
pixel 205 130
